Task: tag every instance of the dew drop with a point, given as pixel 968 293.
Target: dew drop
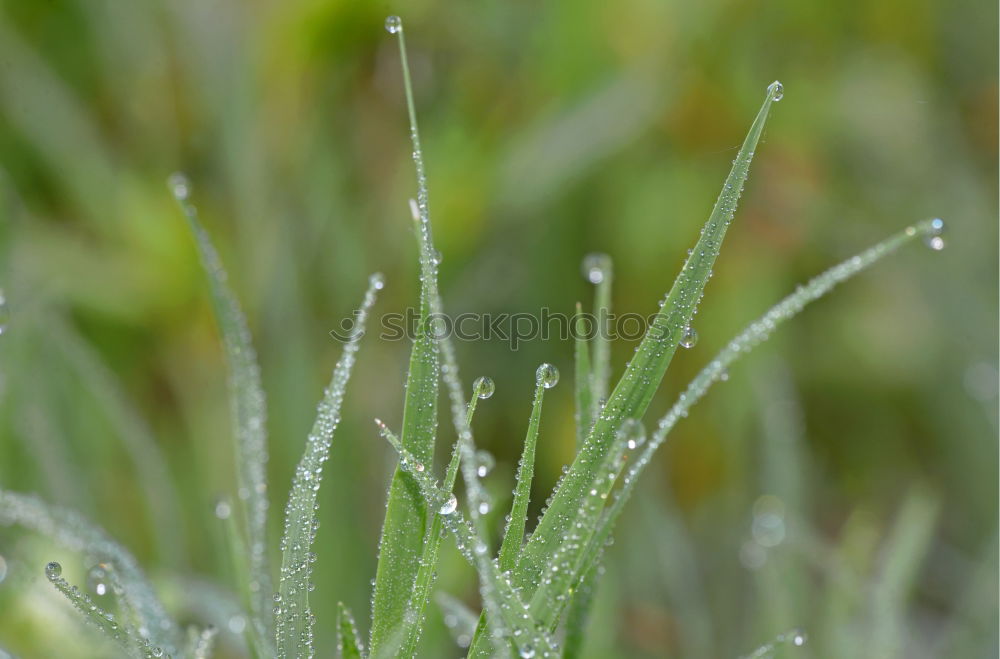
pixel 632 433
pixel 53 570
pixel 484 463
pixel 776 90
pixel 799 637
pixel 689 338
pixel 933 237
pixel 393 24
pixel 547 375
pixel 526 652
pixel 595 267
pixel 98 579
pixel 179 186
pixel 222 509
pixel 377 281
pixel 484 387
pixel 449 506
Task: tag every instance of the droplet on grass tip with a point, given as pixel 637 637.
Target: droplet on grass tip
pixel 484 463
pixel 595 267
pixel 632 433
pixel 98 579
pixel 179 186
pixel 933 237
pixel 393 24
pixel 484 387
pixel 776 90
pixel 53 570
pixel 547 375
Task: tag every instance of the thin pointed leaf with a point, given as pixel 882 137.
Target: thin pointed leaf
pixel 634 391
pixel 406 513
pixel 72 531
pixel 513 537
pixel 428 561
pixel 249 412
pixel 583 381
pixel 292 615
pixel 527 635
pixel 466 443
pixel 754 334
pixel 121 633
pixel 600 272
pixel 348 639
pixel 579 614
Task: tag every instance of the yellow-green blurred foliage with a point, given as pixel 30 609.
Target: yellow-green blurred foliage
pixel 551 129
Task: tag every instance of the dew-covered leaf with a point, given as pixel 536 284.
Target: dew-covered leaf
pixel 348 639
pixel 293 619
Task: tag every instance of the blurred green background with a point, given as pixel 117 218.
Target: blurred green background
pixel 550 130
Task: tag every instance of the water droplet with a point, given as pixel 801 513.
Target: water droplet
pixel 724 375
pixel 689 338
pixel 98 579
pixel 393 24
pixel 222 509
pixel 595 267
pixel 632 433
pixel 799 637
pixel 449 506
pixel 484 507
pixel 53 570
pixel 484 387
pixel 933 237
pixel 436 256
pixel 377 281
pixel 776 90
pixel 484 463
pixel 547 375
pixel 526 652
pixel 179 186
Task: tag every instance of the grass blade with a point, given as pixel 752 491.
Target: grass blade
pixel 71 530
pixel 120 632
pixel 527 635
pixel 348 640
pixel 755 333
pixel 292 614
pixel 466 444
pixel 513 537
pixel 481 389
pixel 249 413
pixel 642 377
pixel 600 273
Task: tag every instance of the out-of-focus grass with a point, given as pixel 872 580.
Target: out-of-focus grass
pixel 549 131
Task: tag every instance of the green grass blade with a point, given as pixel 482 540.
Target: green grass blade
pixel 71 530
pixel 122 633
pixel 482 388
pixel 514 533
pixel 755 333
pixel 292 613
pixel 249 413
pixel 519 627
pixel 513 537
pixel 579 614
pixel 348 639
pixel 466 444
pixel 583 381
pixel 406 515
pixel 634 391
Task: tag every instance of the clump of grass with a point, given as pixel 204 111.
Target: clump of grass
pixel 537 587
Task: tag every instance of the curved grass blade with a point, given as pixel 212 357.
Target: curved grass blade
pixel 72 531
pixel 121 633
pixel 466 444
pixel 528 636
pixel 600 272
pixel 755 333
pixel 634 391
pixel 348 640
pixel 482 388
pixel 249 413
pixel 292 615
